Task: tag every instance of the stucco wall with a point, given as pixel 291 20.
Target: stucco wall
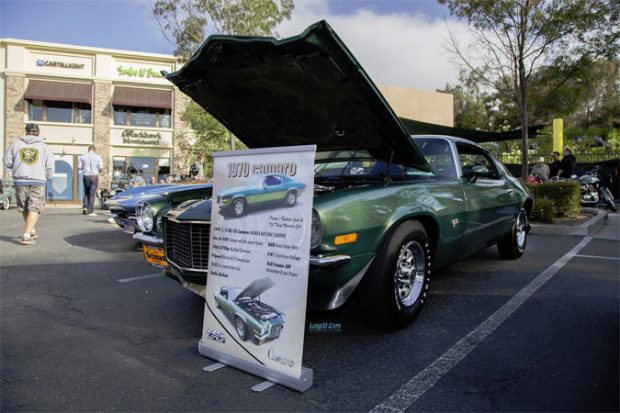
pixel 424 106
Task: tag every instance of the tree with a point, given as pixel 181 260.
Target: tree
pixel 512 39
pixel 186 23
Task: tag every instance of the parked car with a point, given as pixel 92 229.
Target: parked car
pixel 251 318
pixel 264 189
pixel 386 207
pixel 7 193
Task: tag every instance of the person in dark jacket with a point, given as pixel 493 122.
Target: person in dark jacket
pixel 554 166
pixel 567 166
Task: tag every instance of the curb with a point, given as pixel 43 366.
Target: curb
pixel 598 221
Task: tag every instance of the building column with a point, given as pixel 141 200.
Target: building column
pixel 179 164
pixel 15 107
pixel 102 119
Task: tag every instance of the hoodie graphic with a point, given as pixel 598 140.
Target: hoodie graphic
pixel 30 161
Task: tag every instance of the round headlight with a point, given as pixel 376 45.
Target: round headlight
pixel 145 218
pixel 317 231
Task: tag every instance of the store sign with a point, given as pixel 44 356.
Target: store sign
pixel 138 72
pixel 255 304
pixel 60 64
pixel 63 65
pixel 134 137
pixel 140 137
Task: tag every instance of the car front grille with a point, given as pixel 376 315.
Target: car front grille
pixel 187 245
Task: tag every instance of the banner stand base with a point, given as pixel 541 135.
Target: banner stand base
pixel 303 383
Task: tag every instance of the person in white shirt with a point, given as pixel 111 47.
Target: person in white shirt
pixel 91 166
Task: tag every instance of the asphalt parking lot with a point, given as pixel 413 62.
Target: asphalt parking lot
pixel 86 325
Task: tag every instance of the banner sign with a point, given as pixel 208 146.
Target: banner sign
pixel 255 304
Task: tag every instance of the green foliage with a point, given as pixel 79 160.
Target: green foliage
pixel 543 211
pixel 209 136
pixel 187 22
pixel 515 39
pixel 565 196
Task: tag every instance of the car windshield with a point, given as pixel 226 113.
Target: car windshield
pixel 256 180
pixel 360 164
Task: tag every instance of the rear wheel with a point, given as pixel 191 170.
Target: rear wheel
pixel 609 198
pixel 512 245
pixel 393 291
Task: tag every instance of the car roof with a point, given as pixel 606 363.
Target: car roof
pixel 448 137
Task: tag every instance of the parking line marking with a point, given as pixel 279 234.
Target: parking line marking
pixel 417 386
pixel 597 257
pixel 142 277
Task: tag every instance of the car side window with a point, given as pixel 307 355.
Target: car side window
pixel 272 180
pixel 471 156
pixel 438 154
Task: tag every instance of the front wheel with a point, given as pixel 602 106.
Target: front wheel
pixel 609 198
pixel 394 289
pixel 238 207
pixel 291 198
pixel 6 203
pixel 241 329
pixel 512 245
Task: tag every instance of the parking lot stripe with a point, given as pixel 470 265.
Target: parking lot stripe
pixel 417 386
pixel 142 277
pixel 597 257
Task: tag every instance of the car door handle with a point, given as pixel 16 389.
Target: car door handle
pixel 509 191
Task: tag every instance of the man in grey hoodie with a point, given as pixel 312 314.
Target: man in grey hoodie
pixel 32 164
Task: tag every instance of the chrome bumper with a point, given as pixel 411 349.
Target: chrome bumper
pixel 148 239
pixel 331 261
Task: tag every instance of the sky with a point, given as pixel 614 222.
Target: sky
pixel 398 42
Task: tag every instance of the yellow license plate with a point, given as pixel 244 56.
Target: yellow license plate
pixel 155 256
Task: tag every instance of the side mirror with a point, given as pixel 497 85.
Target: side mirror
pixel 480 171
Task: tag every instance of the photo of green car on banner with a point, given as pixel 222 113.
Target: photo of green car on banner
pixel 255 303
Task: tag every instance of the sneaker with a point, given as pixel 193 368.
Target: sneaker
pixel 83 211
pixel 27 241
pixel 34 235
pixel 92 214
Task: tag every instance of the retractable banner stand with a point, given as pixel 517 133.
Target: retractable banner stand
pixel 255 304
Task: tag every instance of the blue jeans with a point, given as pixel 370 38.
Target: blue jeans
pixel 90 190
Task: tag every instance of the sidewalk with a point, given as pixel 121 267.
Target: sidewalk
pixel 611 230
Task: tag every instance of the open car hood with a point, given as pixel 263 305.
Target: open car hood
pixel 257 287
pixel 306 89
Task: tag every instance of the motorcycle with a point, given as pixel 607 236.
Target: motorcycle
pixel 593 189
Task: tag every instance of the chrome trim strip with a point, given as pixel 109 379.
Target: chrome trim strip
pixel 187 222
pixel 331 261
pixel 148 239
pixel 182 268
pixel 343 293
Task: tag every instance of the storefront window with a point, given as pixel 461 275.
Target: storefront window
pixel 142 117
pixel 59 112
pixel 119 172
pixel 56 111
pixel 35 110
pixel 163 170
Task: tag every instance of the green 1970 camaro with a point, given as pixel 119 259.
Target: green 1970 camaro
pixel 387 206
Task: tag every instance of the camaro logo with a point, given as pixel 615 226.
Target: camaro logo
pixel 29 155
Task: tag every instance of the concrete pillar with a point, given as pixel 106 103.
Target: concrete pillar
pixel 558 135
pixel 179 164
pixel 15 105
pixel 102 119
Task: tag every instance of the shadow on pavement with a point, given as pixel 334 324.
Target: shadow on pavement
pixel 106 241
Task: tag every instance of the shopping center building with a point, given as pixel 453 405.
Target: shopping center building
pixel 118 101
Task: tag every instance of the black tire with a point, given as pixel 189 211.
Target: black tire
pixel 609 198
pixel 242 330
pixel 512 245
pixel 6 203
pixel 238 207
pixel 290 199
pixel 380 299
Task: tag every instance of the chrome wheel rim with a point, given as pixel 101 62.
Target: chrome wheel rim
pixel 240 328
pixel 410 272
pixel 291 198
pixel 5 203
pixel 239 207
pixel 521 232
